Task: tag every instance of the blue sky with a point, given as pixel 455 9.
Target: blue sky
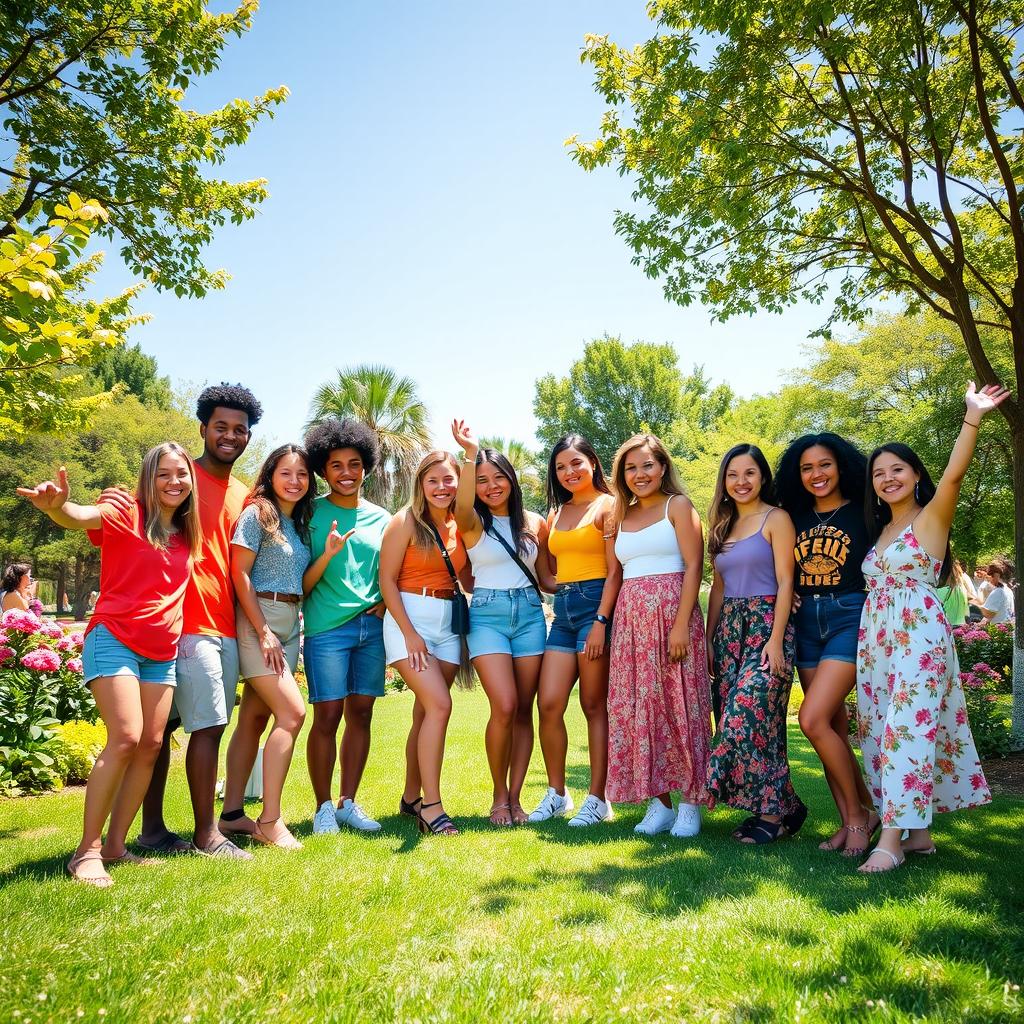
pixel 424 213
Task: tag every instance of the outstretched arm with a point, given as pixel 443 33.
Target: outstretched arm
pixel 52 498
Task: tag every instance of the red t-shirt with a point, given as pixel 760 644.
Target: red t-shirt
pixel 141 587
pixel 210 597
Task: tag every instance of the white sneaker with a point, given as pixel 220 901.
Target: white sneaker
pixel 593 811
pixel 658 818
pixel 323 820
pixel 552 806
pixel 351 814
pixel 687 821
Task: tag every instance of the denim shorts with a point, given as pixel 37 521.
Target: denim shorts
pixel 506 622
pixel 576 605
pixel 827 626
pixel 207 673
pixel 104 655
pixel 345 660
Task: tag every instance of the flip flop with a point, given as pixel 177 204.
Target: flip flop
pixel 225 849
pixel 171 845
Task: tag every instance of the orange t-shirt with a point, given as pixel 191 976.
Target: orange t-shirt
pixel 210 598
pixel 141 587
pixel 423 567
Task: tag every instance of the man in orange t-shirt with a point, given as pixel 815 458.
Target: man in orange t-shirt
pixel 207 665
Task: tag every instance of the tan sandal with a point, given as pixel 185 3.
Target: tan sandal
pixel 103 881
pixel 499 812
pixel 288 842
pixel 896 862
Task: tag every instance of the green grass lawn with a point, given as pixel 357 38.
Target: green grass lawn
pixel 543 923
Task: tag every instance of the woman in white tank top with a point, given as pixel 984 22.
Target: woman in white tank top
pixel 659 694
pixel 507 629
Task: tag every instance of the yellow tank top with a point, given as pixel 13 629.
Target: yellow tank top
pixel 579 553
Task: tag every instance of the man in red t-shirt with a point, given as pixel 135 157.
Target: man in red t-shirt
pixel 207 665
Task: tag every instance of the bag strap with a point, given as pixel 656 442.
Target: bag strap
pixel 444 554
pixel 514 555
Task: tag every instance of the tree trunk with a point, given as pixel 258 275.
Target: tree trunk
pixel 81 602
pixel 62 582
pixel 1017 439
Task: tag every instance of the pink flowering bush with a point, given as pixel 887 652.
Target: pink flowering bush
pixel 40 687
pixel 990 644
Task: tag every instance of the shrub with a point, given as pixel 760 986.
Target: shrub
pixel 393 681
pixel 990 644
pixel 76 747
pixel 989 726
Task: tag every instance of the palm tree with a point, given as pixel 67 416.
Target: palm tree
pixel 388 405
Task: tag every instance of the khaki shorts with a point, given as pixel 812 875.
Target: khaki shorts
pixel 283 619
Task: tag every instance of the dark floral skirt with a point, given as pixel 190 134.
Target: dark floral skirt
pixel 749 762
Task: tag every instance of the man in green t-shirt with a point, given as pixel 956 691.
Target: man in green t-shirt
pixel 343 612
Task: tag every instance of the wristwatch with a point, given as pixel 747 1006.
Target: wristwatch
pixel 603 619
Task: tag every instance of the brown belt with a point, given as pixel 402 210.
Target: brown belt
pixel 446 595
pixel 272 595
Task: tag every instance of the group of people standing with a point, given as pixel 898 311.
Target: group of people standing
pixel 830 565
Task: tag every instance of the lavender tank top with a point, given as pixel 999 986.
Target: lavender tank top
pixel 747 567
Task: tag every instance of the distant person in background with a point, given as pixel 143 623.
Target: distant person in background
pixel 998 606
pixel 94 596
pixel 982 584
pixel 18 587
pixel 956 595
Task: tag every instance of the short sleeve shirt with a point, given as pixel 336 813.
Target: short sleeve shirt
pixel 1000 601
pixel 280 560
pixel 351 582
pixel 829 551
pixel 142 588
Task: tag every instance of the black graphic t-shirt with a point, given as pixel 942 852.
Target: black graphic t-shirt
pixel 829 551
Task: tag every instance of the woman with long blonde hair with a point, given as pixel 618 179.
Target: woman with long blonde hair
pixel 147 546
pixel 420 551
pixel 659 713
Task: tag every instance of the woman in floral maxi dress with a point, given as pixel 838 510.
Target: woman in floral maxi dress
pixel 919 754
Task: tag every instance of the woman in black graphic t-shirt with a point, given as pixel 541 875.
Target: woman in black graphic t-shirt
pixel 820 483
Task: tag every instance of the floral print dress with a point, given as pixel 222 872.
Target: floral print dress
pixel 919 755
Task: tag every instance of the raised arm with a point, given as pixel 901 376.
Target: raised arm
pixel 690 538
pixel 933 524
pixel 52 498
pixel 466 518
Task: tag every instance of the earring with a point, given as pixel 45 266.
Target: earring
pixel 917 494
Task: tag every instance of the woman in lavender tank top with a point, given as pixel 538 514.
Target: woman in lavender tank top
pixel 752 648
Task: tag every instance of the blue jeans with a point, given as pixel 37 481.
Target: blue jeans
pixel 827 626
pixel 506 622
pixel 576 605
pixel 345 660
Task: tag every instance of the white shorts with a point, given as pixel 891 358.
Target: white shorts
pixel 431 617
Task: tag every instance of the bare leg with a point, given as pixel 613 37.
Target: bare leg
pixel 154 828
pixel 527 673
pixel 355 743
pixel 201 759
pixel 594 702
pixel 557 678
pixel 322 747
pixel 838 838
pixel 253 716
pixel 413 782
pixel 497 676
pixel 155 700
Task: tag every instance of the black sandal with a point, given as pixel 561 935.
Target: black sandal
pixel 763 832
pixel 408 808
pixel 442 825
pixel 741 830
pixel 794 821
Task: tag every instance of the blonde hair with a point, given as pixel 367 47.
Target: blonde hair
pixel 186 515
pixel 670 482
pixel 423 535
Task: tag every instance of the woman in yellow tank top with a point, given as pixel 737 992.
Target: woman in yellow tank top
pixel 581 549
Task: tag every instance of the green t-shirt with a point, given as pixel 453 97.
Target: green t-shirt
pixel 350 584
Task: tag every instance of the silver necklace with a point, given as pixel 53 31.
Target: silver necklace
pixel 822 523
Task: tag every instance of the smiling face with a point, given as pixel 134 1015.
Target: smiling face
pixel 819 471
pixel 290 480
pixel 173 482
pixel 492 486
pixel 893 479
pixel 226 435
pixel 743 480
pixel 439 483
pixel 573 470
pixel 643 471
pixel 344 471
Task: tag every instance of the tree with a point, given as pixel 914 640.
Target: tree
pixel 785 147
pixel 390 406
pixel 137 374
pixel 616 390
pixel 92 93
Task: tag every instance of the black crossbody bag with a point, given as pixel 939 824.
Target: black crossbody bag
pixel 460 606
pixel 514 555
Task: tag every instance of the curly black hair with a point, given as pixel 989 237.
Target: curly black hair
pixel 330 434
pixel 850 462
pixel 228 396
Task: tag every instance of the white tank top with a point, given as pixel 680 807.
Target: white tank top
pixel 652 551
pixel 493 567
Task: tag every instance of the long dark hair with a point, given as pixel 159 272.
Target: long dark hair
pixel 13 574
pixel 723 514
pixel 850 461
pixel 556 493
pixel 262 495
pixel 878 514
pixel 523 536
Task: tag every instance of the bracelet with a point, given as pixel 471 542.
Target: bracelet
pixel 970 424
pixel 603 619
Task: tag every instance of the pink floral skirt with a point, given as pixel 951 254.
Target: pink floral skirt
pixel 659 711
